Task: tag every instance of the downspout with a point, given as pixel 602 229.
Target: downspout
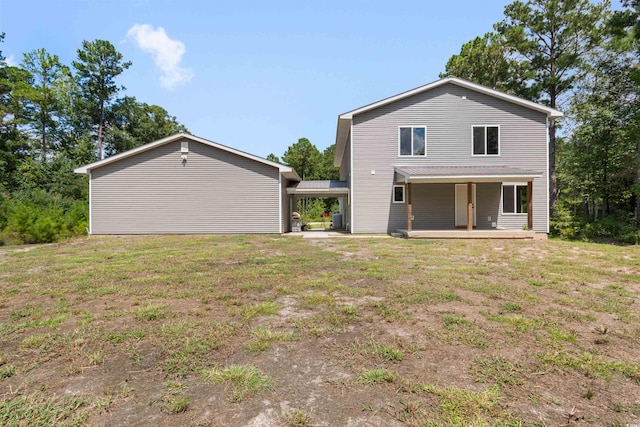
pixel 280 201
pixel 351 193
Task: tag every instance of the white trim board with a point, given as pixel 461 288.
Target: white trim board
pixel 289 172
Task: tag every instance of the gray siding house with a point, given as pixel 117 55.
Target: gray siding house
pixel 183 184
pixel 450 154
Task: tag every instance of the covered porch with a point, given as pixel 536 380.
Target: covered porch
pixel 459 183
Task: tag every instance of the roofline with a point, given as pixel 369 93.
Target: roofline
pixel 488 177
pixel 551 113
pixel 345 119
pixel 288 171
pixel 466 179
pixel 323 191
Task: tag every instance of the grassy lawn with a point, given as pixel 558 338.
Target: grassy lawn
pixel 270 330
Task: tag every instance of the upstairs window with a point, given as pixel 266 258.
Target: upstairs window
pixel 413 141
pixel 514 198
pixel 486 140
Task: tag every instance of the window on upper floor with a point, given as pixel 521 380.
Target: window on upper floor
pixel 514 198
pixel 413 141
pixel 486 140
pixel 398 194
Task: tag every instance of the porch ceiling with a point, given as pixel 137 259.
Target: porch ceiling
pixel 458 174
pixel 319 188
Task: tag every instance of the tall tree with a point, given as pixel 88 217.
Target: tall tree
pixel 98 65
pixel 13 142
pixel 273 158
pixel 43 108
pixel 624 25
pixel 626 22
pixel 304 157
pixel 599 161
pixel 488 61
pixel 136 123
pixel 327 170
pixel 553 36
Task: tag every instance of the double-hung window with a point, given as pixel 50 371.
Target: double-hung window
pixel 486 140
pixel 413 141
pixel 514 198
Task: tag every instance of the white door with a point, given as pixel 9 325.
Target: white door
pixel 461 205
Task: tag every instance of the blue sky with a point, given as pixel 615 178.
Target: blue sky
pixel 257 75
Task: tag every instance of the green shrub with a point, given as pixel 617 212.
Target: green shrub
pixel 618 226
pixel 76 220
pixel 35 216
pixel 564 224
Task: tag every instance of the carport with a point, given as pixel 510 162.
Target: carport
pixel 320 189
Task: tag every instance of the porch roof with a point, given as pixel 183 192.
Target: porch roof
pixel 331 188
pixel 449 174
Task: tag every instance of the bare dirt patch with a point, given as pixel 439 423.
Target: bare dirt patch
pixel 261 331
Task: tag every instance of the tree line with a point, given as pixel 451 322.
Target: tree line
pixel 580 57
pixel 54 118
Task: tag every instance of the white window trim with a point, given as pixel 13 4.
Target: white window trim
pixel 515 184
pixel 393 195
pixel 486 141
pixel 425 141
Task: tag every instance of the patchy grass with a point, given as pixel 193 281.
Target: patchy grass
pixel 462 407
pixel 495 369
pixel 275 330
pixel 263 337
pixel 377 376
pixel 39 410
pixel 245 380
pixel 296 418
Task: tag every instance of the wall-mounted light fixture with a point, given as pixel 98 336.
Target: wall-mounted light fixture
pixel 184 151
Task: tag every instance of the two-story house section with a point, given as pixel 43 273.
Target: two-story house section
pixel 450 154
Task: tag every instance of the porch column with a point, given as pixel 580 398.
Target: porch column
pixel 469 206
pixel 529 205
pixel 409 209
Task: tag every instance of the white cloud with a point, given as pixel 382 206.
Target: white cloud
pixel 166 53
pixel 11 61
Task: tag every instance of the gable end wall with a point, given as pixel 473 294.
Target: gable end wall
pixel 213 192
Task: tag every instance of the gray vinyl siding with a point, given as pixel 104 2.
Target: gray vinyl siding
pixel 433 207
pixel 345 175
pixel 213 192
pixel 488 206
pixel 449 119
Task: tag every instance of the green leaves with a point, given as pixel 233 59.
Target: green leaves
pixel 54 118
pixel 307 160
pixel 552 36
pixel 99 63
pixel 304 157
pixel 487 61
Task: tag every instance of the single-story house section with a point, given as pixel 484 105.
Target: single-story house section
pixel 183 184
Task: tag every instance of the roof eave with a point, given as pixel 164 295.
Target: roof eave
pixel 435 179
pixel 290 174
pixel 88 168
pixel 550 112
pixel 342 133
